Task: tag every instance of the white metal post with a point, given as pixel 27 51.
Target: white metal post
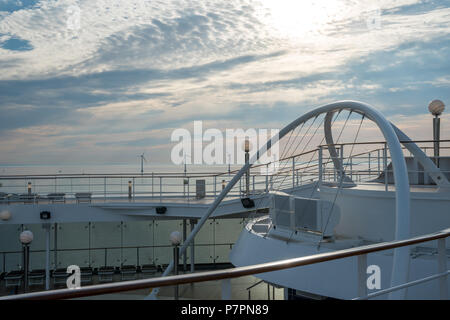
pixel 362 273
pixel 267 177
pixel 47 227
pixel 226 289
pixel 320 166
pixel 192 222
pixel 385 167
pixel 378 159
pixel 293 172
pixel 341 155
pixel 184 239
pixel 442 267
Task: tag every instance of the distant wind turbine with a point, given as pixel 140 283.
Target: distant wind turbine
pixel 142 162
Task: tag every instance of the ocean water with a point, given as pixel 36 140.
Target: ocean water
pixel 130 169
pixel 113 243
pixel 100 180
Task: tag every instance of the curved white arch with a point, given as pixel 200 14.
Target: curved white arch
pixel 402 230
pixel 430 167
pixel 331 148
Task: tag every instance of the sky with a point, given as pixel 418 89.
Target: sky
pixel 100 82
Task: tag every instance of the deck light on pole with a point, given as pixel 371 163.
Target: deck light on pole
pixel 26 237
pixel 247 147
pixel 436 107
pixel 175 240
pixel 130 186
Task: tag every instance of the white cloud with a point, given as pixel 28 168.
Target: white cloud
pixel 177 37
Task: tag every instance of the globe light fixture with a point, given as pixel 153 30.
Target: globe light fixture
pixel 5 215
pixel 175 238
pixel 436 107
pixel 26 237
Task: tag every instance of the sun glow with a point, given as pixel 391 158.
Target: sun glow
pixel 299 18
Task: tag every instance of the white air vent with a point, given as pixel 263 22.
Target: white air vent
pixel 304 214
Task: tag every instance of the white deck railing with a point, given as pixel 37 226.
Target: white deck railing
pixel 225 275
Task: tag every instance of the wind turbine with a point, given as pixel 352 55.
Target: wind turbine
pixel 142 162
pixel 185 162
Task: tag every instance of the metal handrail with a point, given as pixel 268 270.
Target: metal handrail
pixel 225 274
pixel 157 189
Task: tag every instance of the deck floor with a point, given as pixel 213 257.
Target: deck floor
pixel 208 290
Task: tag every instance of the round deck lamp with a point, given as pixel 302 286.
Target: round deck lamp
pixel 436 107
pixel 175 238
pixel 5 215
pixel 26 237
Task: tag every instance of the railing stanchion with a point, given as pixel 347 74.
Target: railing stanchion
pixel 293 172
pixel 341 155
pixel 267 177
pixel 226 289
pixel 362 269
pixel 320 167
pixel 184 239
pixel 442 267
pixel 378 159
pixel 137 256
pixel 253 184
pixel 385 167
pixel 351 166
pixel 192 223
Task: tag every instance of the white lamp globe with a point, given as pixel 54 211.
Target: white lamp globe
pixel 175 238
pixel 5 215
pixel 436 107
pixel 26 237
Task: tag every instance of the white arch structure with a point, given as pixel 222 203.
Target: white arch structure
pixel 402 202
pixel 435 173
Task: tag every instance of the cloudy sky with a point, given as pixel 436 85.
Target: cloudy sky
pixel 92 82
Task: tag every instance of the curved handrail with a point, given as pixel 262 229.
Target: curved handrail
pixel 227 273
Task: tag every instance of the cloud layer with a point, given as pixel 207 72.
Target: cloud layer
pixel 98 81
